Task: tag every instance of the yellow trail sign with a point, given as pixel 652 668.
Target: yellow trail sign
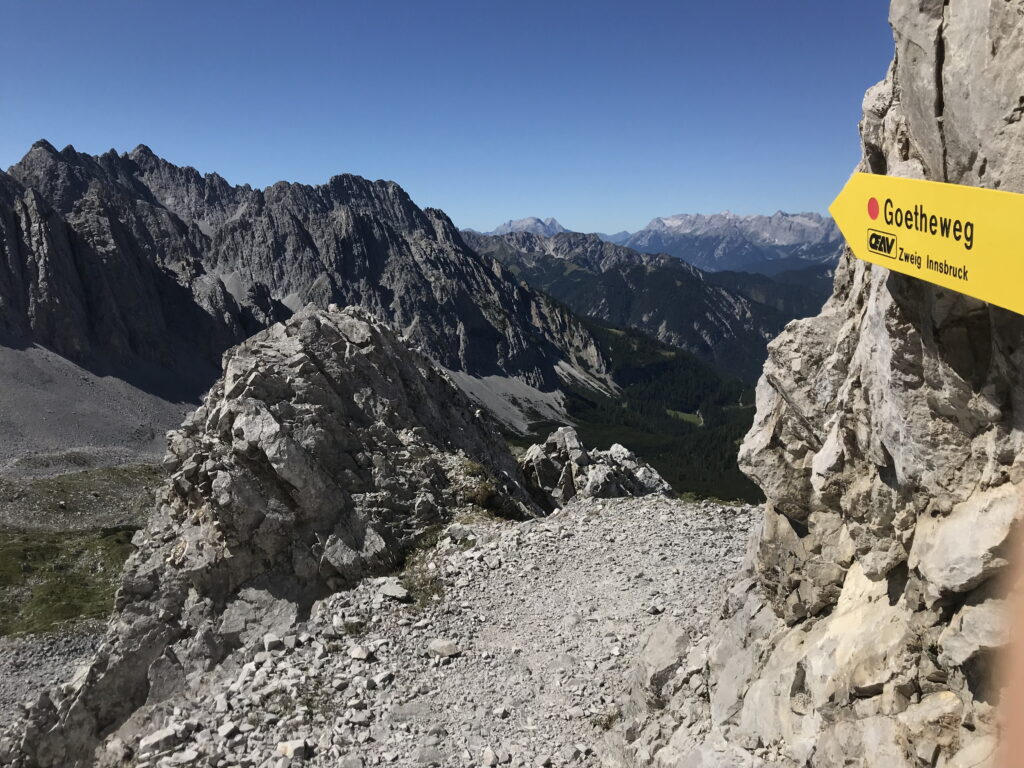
pixel 965 239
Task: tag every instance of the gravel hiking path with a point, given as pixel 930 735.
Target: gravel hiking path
pixel 506 643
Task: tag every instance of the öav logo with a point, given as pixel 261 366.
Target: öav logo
pixel 881 243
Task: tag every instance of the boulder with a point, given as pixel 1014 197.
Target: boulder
pixel 295 749
pixel 158 741
pixel 561 469
pixel 956 553
pixel 443 649
pixel 662 653
pixel 975 630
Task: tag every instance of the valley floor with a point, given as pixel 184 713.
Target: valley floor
pixel 57 417
pixel 504 643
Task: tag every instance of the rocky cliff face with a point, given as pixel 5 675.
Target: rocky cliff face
pixel 888 442
pixel 324 453
pixel 118 286
pixel 128 258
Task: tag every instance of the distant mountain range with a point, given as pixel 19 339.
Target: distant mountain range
pixel 723 318
pixel 722 241
pixel 533 225
pixel 766 244
pixel 137 269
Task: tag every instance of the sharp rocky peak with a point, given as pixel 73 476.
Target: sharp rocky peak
pixel 160 262
pixel 547 227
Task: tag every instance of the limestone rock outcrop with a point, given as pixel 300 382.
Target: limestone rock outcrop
pixel 888 442
pixel 326 450
pixel 561 469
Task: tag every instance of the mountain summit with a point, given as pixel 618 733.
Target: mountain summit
pixel 545 228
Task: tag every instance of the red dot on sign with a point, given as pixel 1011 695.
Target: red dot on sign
pixel 873 208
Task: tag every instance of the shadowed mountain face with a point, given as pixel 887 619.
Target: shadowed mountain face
pixel 109 284
pixel 724 318
pixel 125 261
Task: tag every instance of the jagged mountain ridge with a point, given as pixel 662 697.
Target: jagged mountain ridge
pixel 104 291
pixel 127 257
pixel 723 318
pixel 727 241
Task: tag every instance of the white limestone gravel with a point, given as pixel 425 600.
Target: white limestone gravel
pixel 514 650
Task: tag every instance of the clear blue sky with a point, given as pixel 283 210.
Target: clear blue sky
pixel 602 114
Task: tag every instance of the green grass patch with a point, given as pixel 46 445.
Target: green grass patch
pixel 47 578
pixel 692 418
pixel 89 499
pixel 424 585
pixel 101 481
